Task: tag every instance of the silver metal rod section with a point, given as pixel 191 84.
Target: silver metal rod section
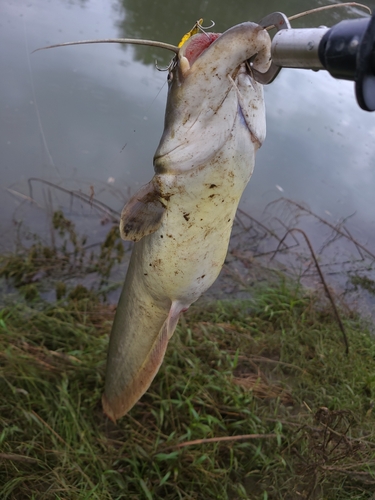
pixel 298 48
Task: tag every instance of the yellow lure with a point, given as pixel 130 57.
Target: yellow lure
pixel 194 30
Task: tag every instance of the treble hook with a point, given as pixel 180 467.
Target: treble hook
pixel 194 30
pixel 170 66
pixel 202 28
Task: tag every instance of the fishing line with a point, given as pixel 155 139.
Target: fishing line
pixel 44 140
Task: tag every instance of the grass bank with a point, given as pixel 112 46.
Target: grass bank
pixel 255 400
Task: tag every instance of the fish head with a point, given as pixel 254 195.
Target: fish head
pixel 210 83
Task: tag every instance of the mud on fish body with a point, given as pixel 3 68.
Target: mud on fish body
pixel 181 220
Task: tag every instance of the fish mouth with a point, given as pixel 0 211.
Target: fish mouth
pixel 194 47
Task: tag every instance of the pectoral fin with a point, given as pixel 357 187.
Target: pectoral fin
pixel 143 214
pixel 131 385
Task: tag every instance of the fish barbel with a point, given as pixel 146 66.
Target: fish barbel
pixel 181 220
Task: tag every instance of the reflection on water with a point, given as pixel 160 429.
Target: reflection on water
pixel 80 116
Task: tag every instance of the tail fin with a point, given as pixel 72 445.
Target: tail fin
pixel 139 339
pixel 119 399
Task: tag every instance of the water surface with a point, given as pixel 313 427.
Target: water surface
pixel 90 117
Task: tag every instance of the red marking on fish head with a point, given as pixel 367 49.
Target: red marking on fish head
pixel 197 44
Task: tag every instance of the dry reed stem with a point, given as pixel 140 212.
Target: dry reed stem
pixel 222 439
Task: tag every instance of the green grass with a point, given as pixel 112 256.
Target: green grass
pixel 274 366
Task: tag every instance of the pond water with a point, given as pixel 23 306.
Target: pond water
pixel 90 117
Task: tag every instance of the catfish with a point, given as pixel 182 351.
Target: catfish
pixel 181 220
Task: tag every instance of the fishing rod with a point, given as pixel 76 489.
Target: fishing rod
pixel 346 51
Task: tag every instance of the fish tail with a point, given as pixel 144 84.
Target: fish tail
pixel 118 404
pixel 139 339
